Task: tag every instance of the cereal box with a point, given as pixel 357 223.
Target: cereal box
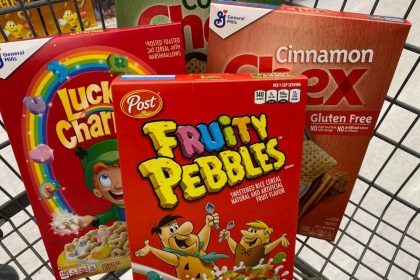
pixel 68 20
pixel 107 7
pixel 349 59
pixel 15 25
pixel 210 166
pixel 194 16
pixel 56 102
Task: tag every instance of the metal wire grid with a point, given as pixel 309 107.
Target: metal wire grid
pixel 356 207
pixel 346 244
pixel 315 259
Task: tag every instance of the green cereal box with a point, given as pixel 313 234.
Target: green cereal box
pixel 193 14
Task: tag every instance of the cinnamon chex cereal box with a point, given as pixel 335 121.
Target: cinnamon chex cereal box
pixel 349 59
pixel 210 166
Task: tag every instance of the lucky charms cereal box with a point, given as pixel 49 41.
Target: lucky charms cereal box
pixel 56 102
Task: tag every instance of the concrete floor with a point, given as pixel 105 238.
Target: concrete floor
pixel 391 177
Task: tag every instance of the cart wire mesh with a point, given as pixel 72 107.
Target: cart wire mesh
pixel 374 242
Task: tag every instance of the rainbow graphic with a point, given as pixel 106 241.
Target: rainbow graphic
pixel 98 108
pixel 34 126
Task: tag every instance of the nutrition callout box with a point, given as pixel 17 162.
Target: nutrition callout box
pixel 349 59
pixel 210 166
pixel 56 103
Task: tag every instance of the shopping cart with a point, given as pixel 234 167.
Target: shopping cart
pixel 379 237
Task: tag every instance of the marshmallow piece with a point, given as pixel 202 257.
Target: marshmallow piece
pixel 42 154
pixel 48 188
pixel 35 105
pixel 118 64
pixel 59 70
pixel 103 235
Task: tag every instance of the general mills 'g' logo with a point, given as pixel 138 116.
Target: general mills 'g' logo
pixel 141 104
pixel 1 61
pixel 220 22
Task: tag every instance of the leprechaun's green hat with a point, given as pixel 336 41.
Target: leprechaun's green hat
pixel 105 152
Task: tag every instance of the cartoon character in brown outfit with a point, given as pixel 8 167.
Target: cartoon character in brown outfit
pixel 182 248
pixel 254 245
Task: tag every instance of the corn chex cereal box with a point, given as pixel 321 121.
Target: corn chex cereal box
pixel 349 59
pixel 193 15
pixel 68 20
pixel 210 166
pixel 15 25
pixel 56 103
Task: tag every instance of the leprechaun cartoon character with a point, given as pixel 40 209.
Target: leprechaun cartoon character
pixel 254 245
pixel 103 178
pixel 183 249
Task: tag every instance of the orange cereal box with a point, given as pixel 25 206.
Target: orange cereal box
pixel 349 59
pixel 15 25
pixel 210 166
pixel 56 103
pixel 68 19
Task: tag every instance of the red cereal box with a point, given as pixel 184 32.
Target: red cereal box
pixel 349 60
pixel 210 166
pixel 56 102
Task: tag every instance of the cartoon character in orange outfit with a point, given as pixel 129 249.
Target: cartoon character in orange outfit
pixel 183 249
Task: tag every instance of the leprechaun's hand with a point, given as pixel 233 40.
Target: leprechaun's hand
pixel 212 220
pixel 143 251
pixel 284 241
pixel 73 223
pixel 87 220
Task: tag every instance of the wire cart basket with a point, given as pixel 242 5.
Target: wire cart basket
pixel 379 237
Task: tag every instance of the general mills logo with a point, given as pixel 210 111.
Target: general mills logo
pixel 220 22
pixel 1 61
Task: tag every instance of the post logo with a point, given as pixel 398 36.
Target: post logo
pixel 141 104
pixel 220 21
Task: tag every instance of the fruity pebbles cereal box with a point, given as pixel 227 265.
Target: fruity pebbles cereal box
pixel 56 102
pixel 349 59
pixel 15 25
pixel 210 166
